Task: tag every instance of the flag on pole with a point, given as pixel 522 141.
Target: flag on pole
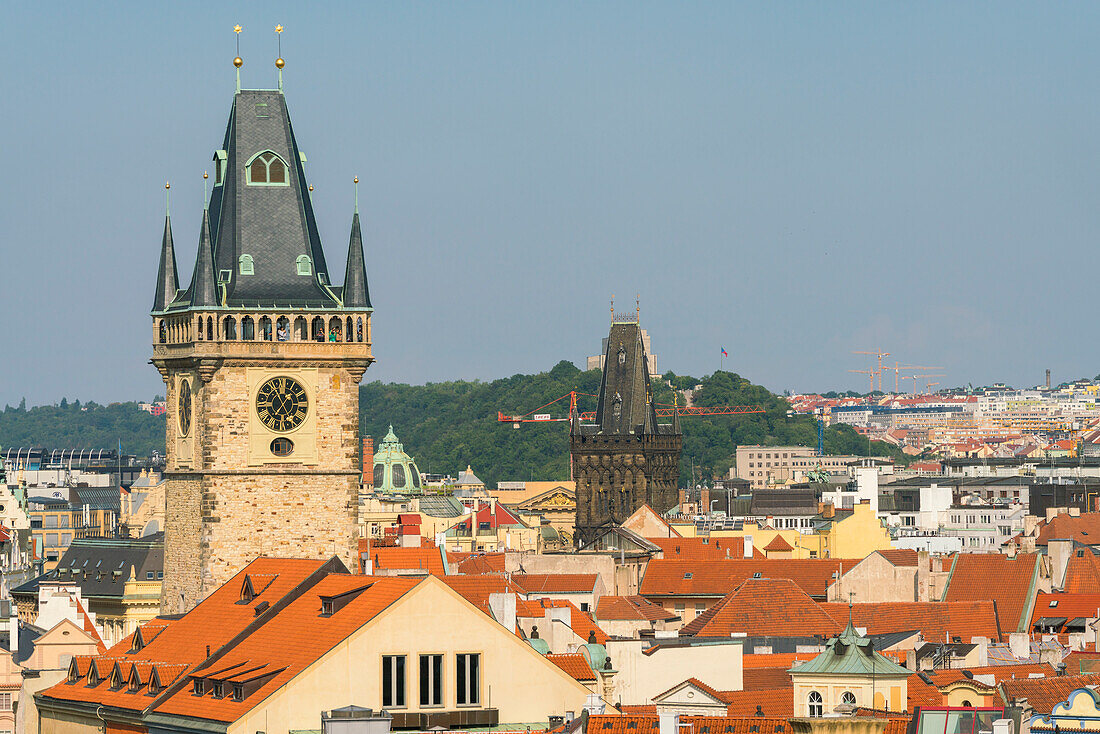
pixel 724 352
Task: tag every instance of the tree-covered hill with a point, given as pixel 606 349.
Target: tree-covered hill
pixel 448 425
pixel 87 426
pixel 451 424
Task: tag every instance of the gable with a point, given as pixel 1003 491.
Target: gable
pixel 687 694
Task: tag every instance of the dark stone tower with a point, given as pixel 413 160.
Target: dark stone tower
pixel 626 459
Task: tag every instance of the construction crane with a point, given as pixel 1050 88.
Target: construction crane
pixel 872 374
pixel 898 367
pixel 928 387
pixel 663 411
pixel 914 378
pixel 880 355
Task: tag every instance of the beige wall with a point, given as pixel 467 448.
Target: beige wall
pixel 515 679
pixel 878 693
pixel 641 677
pixel 874 579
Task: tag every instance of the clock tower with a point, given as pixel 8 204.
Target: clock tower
pixel 261 355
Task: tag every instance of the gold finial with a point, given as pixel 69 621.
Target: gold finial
pixel 167 185
pixel 355 180
pixel 278 29
pixel 311 187
pixel 237 62
pixel 237 28
pixel 205 175
pixel 279 63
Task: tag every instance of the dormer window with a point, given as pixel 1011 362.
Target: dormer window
pixel 238 691
pixel 196 687
pixel 218 689
pixel 219 167
pixel 245 262
pixel 305 265
pixel 266 169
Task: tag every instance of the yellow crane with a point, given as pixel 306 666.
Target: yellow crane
pixel 880 355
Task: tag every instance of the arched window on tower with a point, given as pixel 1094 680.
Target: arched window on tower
pixel 359 329
pixel 210 327
pixel 282 329
pixel 318 329
pixel 229 328
pixel 248 328
pixel 305 265
pixel 245 265
pixel 265 329
pixel 300 333
pixel 849 699
pixel 163 332
pixel 348 332
pixel 398 476
pixel 334 329
pixel 266 169
pixel 379 474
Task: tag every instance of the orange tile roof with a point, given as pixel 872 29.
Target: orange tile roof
pixel 288 642
pixel 1010 582
pixel 763 607
pixel 900 556
pixel 181 645
pixel 474 563
pixel 645 708
pixel 1084 529
pixel 1069 606
pixel 397 558
pixel 934 620
pixel 774 702
pixel 1080 661
pixel 648 724
pixel 631 608
pixel 717 578
pixel 1043 694
pixel 575 664
pixel 580 622
pixel 775 660
pixel 555 583
pixel 1082 573
pixel 702 549
pixel 920 693
pixel 765 679
pixel 778 544
pixel 476 589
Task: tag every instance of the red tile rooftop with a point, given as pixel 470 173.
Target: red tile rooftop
pixel 936 621
pixel 1010 582
pixel 776 607
pixel 631 608
pixel 575 664
pixel 717 578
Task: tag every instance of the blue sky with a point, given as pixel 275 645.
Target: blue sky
pixel 790 181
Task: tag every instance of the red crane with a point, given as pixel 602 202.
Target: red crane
pixel 663 411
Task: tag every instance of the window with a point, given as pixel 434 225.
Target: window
pixel 245 263
pixel 196 687
pixel 393 681
pixel 238 691
pixel 431 680
pixel 814 704
pixel 848 698
pixel 282 447
pixel 266 169
pixel 5 702
pixel 219 689
pixel 398 475
pixel 468 679
pixel 379 469
pixel 305 265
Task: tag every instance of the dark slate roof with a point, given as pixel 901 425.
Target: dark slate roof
pixel 355 293
pixel 99 498
pixel 102 565
pixel 625 406
pixel 168 279
pixel 203 292
pixel 275 225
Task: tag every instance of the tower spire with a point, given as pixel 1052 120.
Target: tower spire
pixel 168 280
pixel 356 294
pixel 204 292
pixel 238 61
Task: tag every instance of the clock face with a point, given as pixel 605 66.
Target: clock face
pixel 184 407
pixel 282 404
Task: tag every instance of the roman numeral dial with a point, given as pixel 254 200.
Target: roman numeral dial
pixel 282 404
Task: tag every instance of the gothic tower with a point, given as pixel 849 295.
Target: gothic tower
pixel 261 357
pixel 626 459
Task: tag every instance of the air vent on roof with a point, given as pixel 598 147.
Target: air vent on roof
pixel 757 575
pixel 261 608
pixel 687 575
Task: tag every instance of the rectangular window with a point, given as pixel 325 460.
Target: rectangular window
pixel 431 680
pixel 393 681
pixel 50 521
pixel 468 679
pixel 5 702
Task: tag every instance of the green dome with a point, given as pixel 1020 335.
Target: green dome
pixel 395 472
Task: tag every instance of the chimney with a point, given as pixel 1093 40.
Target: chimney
pixel 1020 646
pixel 368 462
pixel 1048 379
pixel 983 650
pixel 748 546
pixel 503 607
pixel 13 630
pixel 669 723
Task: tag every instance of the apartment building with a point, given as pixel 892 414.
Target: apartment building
pixel 764 465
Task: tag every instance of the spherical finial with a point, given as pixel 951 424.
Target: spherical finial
pixel 205 175
pixel 237 62
pixel 355 180
pixel 167 185
pixel 311 187
pixel 279 63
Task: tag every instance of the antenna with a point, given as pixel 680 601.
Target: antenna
pixel 279 63
pixel 238 61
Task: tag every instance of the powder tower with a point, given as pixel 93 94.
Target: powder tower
pixel 261 355
pixel 626 459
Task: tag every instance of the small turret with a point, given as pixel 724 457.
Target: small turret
pixel 356 294
pixel 168 280
pixel 204 292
